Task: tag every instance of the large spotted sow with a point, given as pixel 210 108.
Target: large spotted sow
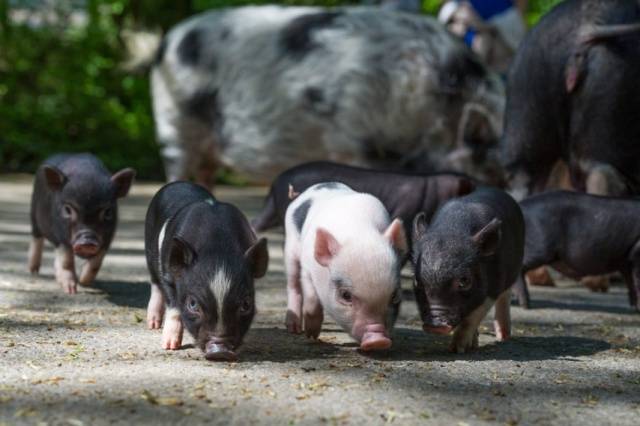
pixel 261 89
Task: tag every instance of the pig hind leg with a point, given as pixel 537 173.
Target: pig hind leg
pixel 35 254
pixel 465 337
pixel 155 308
pixel 65 269
pixel 293 319
pixel 521 292
pixel 602 179
pixel 91 268
pixel 502 319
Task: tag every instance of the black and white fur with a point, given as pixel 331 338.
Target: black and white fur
pixel 202 257
pixel 261 89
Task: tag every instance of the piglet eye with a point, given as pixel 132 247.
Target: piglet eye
pixel 107 214
pixel 67 211
pixel 245 307
pixel 192 305
pixel 345 296
pixel 462 283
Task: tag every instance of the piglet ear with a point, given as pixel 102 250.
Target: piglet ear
pixel 181 256
pixel 257 256
pixel 54 177
pixel 122 181
pixel 488 238
pixel 327 247
pixel 398 238
pixel 419 225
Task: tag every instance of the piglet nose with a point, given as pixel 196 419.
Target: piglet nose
pixel 442 329
pixel 375 338
pixel 86 244
pixel 217 349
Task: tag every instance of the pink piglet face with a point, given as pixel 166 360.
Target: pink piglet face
pixel 363 290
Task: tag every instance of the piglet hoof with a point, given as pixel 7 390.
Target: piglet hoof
pixel 155 310
pixel 69 285
pixel 171 339
pixel 312 325
pixel 85 282
pixel 34 269
pixel 464 343
pixel 172 331
pixel 502 334
pixel 540 277
pixel 293 322
pixel 596 283
pixel 154 320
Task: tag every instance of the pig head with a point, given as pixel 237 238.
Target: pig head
pixel 216 298
pixel 363 290
pixel 450 276
pixel 86 203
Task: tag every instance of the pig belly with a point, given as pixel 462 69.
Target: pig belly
pixel 577 269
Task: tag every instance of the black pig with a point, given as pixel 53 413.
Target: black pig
pixel 74 206
pixel 465 261
pixel 403 194
pixel 202 257
pixel 579 235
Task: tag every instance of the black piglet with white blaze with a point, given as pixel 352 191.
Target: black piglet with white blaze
pixel 202 257
pixel 465 261
pixel 74 205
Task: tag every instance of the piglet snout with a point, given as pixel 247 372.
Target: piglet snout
pixel 219 350
pixel 86 245
pixel 442 329
pixel 375 338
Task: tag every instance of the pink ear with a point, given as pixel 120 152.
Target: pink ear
pixel 396 235
pixel 326 247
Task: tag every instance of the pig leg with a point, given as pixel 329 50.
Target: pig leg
pixel 155 308
pixel 522 292
pixel 172 330
pixel 502 319
pixel 91 267
pixel 64 268
pixel 602 179
pixel 293 320
pixel 311 310
pixel 540 277
pixel 35 254
pixel 466 333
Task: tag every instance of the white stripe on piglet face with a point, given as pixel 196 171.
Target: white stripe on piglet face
pixel 219 286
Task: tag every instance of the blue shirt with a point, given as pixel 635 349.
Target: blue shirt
pixel 488 8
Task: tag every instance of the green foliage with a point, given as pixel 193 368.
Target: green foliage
pixel 62 88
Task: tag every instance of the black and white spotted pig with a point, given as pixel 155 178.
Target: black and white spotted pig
pixel 202 257
pixel 74 206
pixel 261 89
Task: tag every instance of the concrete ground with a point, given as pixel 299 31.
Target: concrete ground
pixel 89 359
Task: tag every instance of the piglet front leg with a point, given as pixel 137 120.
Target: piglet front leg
pixel 91 267
pixel 172 330
pixel 155 308
pixel 35 255
pixel 465 337
pixel 293 320
pixel 65 269
pixel 312 311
